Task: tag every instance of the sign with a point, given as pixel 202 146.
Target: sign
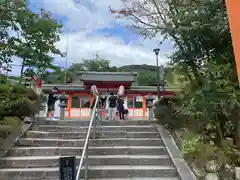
pixel 67 168
pixel 233 7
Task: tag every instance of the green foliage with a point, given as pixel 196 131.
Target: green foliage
pixel 147 78
pixel 12 121
pixel 8 125
pixel 203 57
pixel 36 35
pixel 16 100
pixel 192 147
pixel 147 74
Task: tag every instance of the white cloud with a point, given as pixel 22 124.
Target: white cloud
pixel 86 16
pixel 83 14
pixel 111 48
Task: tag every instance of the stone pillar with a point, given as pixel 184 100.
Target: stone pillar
pixel 63 104
pixel 150 107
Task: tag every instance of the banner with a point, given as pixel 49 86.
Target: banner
pixel 37 85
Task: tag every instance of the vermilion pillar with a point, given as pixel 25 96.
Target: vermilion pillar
pixel 69 106
pixel 233 8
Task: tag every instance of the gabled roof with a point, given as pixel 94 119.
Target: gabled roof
pixel 109 76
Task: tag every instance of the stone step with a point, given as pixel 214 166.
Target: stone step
pixel 69 151
pixel 93 172
pixel 77 122
pixel 131 178
pixel 137 178
pixel 97 142
pixel 79 135
pixel 130 128
pixel 52 161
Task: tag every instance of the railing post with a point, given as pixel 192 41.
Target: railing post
pixel 84 156
pixel 98 115
pixel 86 163
pixel 96 120
pixel 94 125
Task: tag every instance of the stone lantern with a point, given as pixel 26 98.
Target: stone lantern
pixel 63 104
pixel 150 106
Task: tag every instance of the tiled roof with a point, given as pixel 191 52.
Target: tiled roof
pixel 74 87
pixel 109 76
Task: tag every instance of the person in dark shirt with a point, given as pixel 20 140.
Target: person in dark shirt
pixel 52 98
pixel 112 106
pixel 121 107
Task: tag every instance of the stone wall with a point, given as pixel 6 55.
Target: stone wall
pixel 237 173
pixel 213 171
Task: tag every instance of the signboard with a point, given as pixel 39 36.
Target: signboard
pixel 233 7
pixel 67 168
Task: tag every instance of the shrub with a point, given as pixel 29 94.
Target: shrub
pixel 167 113
pixel 17 100
pixel 27 92
pixel 8 125
pixel 193 146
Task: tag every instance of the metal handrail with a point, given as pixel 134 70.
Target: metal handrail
pixel 85 148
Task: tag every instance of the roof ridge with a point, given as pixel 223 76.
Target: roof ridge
pixel 105 73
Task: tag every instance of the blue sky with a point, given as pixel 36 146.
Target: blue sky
pixel 91 29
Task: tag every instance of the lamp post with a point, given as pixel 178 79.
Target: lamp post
pixel 66 63
pixel 162 75
pixel 158 73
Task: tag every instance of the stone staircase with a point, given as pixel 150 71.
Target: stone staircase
pixel 123 150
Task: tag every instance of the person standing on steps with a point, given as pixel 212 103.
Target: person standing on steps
pixel 107 108
pixel 121 107
pixel 52 98
pixel 125 105
pixel 112 106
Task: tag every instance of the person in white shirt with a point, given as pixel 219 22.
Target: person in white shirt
pixel 107 108
pixel 112 106
pixel 125 105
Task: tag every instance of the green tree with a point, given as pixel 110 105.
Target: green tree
pixel 147 79
pixel 99 65
pixel 203 56
pixel 8 15
pixel 35 40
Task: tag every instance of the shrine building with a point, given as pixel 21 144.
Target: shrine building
pixel 80 97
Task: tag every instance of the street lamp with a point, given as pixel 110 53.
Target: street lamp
pixel 66 63
pixel 158 73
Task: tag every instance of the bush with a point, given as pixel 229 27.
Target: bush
pixel 167 113
pixel 17 100
pixel 8 125
pixel 198 134
pixel 192 148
